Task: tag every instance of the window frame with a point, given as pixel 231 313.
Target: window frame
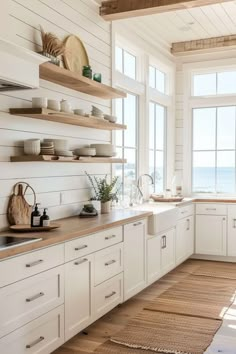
pixel 189 103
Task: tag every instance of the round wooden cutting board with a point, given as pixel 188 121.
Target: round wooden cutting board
pixel 75 56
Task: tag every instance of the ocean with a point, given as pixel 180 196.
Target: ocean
pixel 205 181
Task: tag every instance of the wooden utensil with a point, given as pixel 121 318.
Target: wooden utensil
pixel 75 56
pixel 18 210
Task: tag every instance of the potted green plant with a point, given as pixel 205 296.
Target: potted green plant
pixel 104 191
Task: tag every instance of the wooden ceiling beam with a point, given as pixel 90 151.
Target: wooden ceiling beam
pixel 182 48
pixel 122 9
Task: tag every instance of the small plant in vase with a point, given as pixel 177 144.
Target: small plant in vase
pixel 104 191
pixel 53 47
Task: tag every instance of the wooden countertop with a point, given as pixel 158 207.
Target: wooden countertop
pixel 71 228
pixel 216 200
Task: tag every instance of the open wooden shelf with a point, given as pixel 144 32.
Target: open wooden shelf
pixel 77 82
pixel 58 159
pixel 67 118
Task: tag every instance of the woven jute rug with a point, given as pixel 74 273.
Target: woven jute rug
pixel 197 296
pixel 168 333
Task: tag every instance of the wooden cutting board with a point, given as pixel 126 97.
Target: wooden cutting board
pixel 75 56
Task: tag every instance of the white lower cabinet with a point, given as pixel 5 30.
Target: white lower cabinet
pixel 167 241
pixel 211 235
pixel 78 295
pixel 134 258
pixel 40 336
pixel 184 239
pixel 108 295
pixel 153 259
pixel 231 251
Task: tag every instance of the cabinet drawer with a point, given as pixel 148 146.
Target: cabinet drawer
pixel 28 299
pixel 79 247
pixel 29 264
pixel 41 336
pixel 108 263
pixel 108 295
pixel 108 237
pixel 185 211
pixel 211 209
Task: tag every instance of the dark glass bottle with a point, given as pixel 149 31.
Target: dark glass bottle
pixel 35 217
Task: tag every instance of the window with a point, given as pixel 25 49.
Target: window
pixel 157 142
pixel 126 63
pixel 214 147
pixel 126 141
pixel 217 83
pixel 157 79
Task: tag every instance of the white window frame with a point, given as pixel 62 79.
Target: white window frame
pixel 190 102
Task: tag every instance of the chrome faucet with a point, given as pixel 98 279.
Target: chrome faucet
pixel 138 183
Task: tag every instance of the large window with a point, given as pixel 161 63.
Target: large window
pixel 157 79
pixel 214 147
pixel 125 63
pixel 157 143
pixel 217 83
pixel 126 141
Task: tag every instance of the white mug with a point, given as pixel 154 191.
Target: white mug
pixel 54 105
pixel 79 112
pixel 39 102
pixel 66 106
pixel 32 147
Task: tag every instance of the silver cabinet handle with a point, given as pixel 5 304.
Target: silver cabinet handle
pixel 110 295
pixel 81 248
pixel 163 242
pixel 81 262
pixel 31 345
pixel 234 223
pixel 138 223
pixel 188 225
pixel 109 237
pixel 28 265
pixel 184 212
pixel 35 297
pixel 211 209
pixel 110 262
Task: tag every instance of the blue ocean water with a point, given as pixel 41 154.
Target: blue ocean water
pixel 205 180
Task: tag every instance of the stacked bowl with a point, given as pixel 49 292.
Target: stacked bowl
pixel 104 150
pixel 96 112
pixel 47 148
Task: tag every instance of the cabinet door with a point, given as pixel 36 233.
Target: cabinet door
pixel 78 295
pixel 211 235
pixel 153 259
pixel 167 251
pixel 134 258
pixel 184 239
pixel 231 230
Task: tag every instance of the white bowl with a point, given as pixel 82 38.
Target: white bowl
pixel 64 153
pixel 85 151
pixel 32 147
pixel 107 150
pixel 59 144
pixel 54 105
pixel 39 102
pixel 111 119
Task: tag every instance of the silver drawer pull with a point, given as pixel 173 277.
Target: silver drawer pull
pixel 81 248
pixel 109 237
pixel 234 223
pixel 81 262
pixel 138 223
pixel 28 265
pixel 31 345
pixel 184 212
pixel 110 262
pixel 214 209
pixel 35 297
pixel 110 295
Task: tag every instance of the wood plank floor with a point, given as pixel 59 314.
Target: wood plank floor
pixel 104 328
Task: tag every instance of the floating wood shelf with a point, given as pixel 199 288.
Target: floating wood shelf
pixel 67 118
pixel 52 158
pixel 77 82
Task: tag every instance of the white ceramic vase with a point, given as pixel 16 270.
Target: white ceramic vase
pixel 106 207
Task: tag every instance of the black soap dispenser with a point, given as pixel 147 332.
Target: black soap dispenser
pixel 35 217
pixel 44 220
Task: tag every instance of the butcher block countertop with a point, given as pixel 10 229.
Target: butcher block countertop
pixel 73 227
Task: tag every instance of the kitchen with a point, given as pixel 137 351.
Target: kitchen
pixel 167 86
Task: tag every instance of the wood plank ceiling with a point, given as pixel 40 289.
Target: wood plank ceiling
pixel 190 24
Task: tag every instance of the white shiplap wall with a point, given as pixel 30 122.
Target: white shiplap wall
pixel 60 187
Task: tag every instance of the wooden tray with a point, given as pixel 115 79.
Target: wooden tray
pixel 157 198
pixel 28 228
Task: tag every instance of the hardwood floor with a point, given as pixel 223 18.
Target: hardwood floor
pixel 108 325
